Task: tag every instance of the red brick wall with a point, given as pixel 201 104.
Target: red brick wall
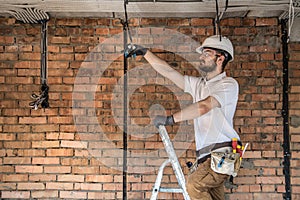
pixel 74 148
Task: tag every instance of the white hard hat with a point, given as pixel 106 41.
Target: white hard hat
pixel 215 43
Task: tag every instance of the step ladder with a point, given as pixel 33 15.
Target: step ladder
pixel 176 168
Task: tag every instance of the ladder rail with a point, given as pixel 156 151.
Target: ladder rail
pixel 175 165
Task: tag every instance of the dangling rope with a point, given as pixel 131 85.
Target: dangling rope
pixel 218 18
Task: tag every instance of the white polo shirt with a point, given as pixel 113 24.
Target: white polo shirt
pixel 216 126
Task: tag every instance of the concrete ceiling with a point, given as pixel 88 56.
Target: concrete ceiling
pixel 156 8
pixel 153 8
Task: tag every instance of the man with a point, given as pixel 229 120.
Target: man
pixel 214 102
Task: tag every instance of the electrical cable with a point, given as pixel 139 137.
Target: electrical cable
pixel 291 19
pixel 32 15
pixel 219 17
pixel 285 111
pixel 126 33
pixel 126 24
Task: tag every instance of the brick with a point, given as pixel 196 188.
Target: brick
pixel 59 152
pixel 70 178
pixel 44 194
pixel 7 136
pixel 99 178
pixel 153 21
pixel 31 152
pixel 19 80
pixel 7 39
pixel 30 186
pixel 74 161
pixel 69 22
pixel 244 180
pixel 85 170
pixel 44 128
pixel 59 186
pixel 14 177
pixel 52 136
pixel 45 144
pixel 88 186
pixel 112 186
pixel 27 64
pixel 16 145
pixel 270 180
pixel 31 137
pixel 6 169
pixel 16 160
pixel 201 22
pixel 32 120
pixel 59 40
pixel 74 144
pixel 45 161
pixel 29 169
pixel 72 195
pixel 15 194
pixel 60 57
pixel 8 120
pixel 8 186
pixel 42 177
pixel 178 22
pixel 262 196
pixel 66 136
pixel 101 195
pixel 266 22
pixel 57 169
pixel 30 56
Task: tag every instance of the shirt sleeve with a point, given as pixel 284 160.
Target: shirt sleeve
pixel 190 85
pixel 227 92
pixel 187 85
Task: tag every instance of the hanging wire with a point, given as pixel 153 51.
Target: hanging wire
pixel 36 16
pixel 219 17
pixel 291 19
pixel 126 24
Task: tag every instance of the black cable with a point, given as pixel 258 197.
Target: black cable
pixel 126 21
pixel 285 111
pixel 126 33
pixel 44 53
pixel 43 97
pixel 218 17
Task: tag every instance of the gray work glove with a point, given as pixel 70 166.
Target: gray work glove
pixel 134 50
pixel 162 120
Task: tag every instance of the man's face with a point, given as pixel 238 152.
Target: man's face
pixel 207 62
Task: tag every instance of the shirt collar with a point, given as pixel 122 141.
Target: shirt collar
pixel 216 78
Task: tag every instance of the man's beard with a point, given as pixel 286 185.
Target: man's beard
pixel 207 68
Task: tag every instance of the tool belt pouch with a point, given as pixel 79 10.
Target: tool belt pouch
pixel 225 163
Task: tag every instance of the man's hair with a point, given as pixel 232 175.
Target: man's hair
pixel 226 55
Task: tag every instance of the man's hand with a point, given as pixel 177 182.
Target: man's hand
pixel 162 120
pixel 134 50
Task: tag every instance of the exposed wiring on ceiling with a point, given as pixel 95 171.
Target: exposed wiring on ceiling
pixel 29 15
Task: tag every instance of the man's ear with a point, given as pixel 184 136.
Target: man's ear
pixel 220 60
